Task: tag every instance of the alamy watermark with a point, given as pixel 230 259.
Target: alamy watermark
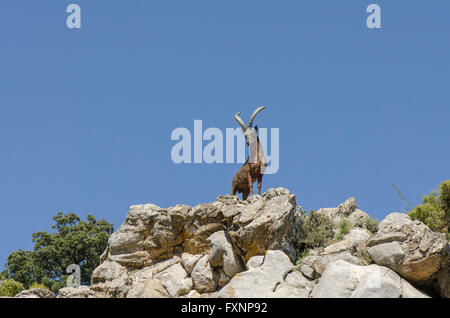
pixel 190 148
pixel 73 21
pixel 73 280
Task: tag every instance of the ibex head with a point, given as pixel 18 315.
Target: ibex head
pixel 250 133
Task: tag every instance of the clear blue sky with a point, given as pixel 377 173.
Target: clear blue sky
pixel 86 115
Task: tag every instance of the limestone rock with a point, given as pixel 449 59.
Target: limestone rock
pixel 204 277
pixel 350 241
pixel 223 278
pixel 381 238
pixel 151 272
pixel 137 259
pixel 175 280
pixel 344 280
pixel 193 294
pixel 347 211
pixel 322 262
pixel 259 281
pixel 313 265
pixel 387 254
pixel 200 222
pixel 393 222
pixel 36 293
pixel 223 255
pixel 308 270
pixel 148 235
pixel 348 207
pixel 189 261
pixel 170 273
pixel 358 218
pixel 152 288
pixel 294 286
pixel 111 280
pixel 200 251
pixel 272 228
pixel 74 292
pixel 413 251
pixel 125 242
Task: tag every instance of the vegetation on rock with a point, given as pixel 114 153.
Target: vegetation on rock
pixel 344 228
pixel 434 211
pixel 316 230
pixel 371 225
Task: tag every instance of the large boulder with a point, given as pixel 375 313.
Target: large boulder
pixel 110 279
pixel 345 280
pixel 223 255
pixel 148 235
pixel 169 273
pixel 204 276
pixel 267 277
pixel 175 280
pixel 408 247
pixel 189 261
pixel 346 211
pixel 387 254
pixel 272 227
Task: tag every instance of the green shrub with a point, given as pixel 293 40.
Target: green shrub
pixel 434 211
pixel 344 228
pixel 316 230
pixel 37 285
pixel 10 288
pixel 301 256
pixel 371 225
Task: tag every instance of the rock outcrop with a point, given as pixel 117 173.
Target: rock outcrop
pixel 170 252
pixel 233 248
pixel 411 249
pixel 36 293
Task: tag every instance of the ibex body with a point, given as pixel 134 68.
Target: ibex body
pixel 253 169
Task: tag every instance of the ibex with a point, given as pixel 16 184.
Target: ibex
pixel 253 168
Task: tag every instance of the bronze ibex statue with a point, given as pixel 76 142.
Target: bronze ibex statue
pixel 253 168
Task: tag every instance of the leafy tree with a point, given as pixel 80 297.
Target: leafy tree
pixel 21 267
pixel 73 241
pixel 10 288
pixel 435 209
pixel 4 275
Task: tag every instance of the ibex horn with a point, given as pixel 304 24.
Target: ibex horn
pixel 240 121
pixel 250 123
